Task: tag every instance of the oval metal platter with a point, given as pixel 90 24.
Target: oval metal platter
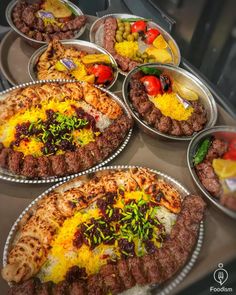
pixel 222 132
pixel 161 290
pixel 80 45
pixel 33 42
pixel 7 175
pixel 96 35
pixel 183 77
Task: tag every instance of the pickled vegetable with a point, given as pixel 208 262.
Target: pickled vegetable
pixel 136 35
pixel 119 38
pixel 130 37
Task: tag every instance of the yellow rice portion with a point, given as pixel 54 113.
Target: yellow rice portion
pixel 7 130
pixel 64 255
pixel 127 48
pixel 170 106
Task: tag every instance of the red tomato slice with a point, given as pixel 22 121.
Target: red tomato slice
pixel 102 73
pixel 151 35
pixel 232 145
pixel 139 26
pixel 230 155
pixel 152 85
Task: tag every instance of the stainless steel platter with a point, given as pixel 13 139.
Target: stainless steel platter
pixel 88 47
pixel 161 289
pixel 222 132
pixel 183 77
pixel 31 41
pixel 7 175
pixel 97 33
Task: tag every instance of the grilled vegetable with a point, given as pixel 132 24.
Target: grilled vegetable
pixel 165 83
pixel 151 35
pixel 96 58
pixel 202 151
pixel 139 26
pixel 102 73
pixel 130 20
pixel 152 85
pixel 150 71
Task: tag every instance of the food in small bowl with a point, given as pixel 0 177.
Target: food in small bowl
pixel 214 162
pixel 167 101
pixel 135 40
pixel 76 59
pixel 45 20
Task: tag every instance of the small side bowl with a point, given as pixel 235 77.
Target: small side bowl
pixel 35 43
pixel 80 45
pixel 183 77
pixel 222 132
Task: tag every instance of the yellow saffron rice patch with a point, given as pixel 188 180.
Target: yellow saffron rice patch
pixel 170 106
pixel 127 48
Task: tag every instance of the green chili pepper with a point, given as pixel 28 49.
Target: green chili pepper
pixel 151 71
pixel 202 151
pixel 134 19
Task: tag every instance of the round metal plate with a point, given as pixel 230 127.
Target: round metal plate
pixel 185 78
pixel 222 132
pixel 163 290
pixel 97 35
pixel 6 175
pixel 31 41
pixel 88 47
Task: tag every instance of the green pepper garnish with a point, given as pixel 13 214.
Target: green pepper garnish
pixel 151 71
pixel 134 19
pixel 201 152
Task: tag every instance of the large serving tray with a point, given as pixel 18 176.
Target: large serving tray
pixel 7 175
pixel 162 289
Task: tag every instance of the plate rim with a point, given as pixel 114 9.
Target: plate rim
pixel 169 285
pixel 21 179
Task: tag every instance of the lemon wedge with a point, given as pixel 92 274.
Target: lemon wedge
pixel 160 55
pixel 224 168
pixel 160 42
pixel 184 92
